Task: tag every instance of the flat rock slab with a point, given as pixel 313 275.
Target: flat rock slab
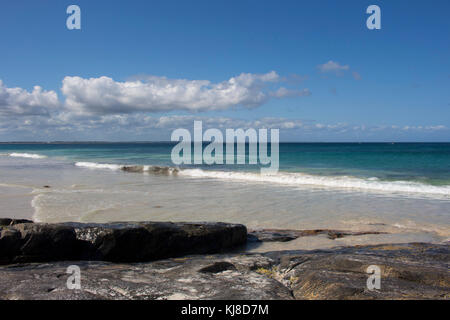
pixel 281 235
pixel 118 242
pixel 408 271
pixel 195 277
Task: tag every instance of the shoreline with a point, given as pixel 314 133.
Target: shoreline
pixel 163 260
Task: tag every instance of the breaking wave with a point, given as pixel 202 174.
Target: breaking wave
pixel 287 178
pixel 27 155
pixel 129 168
pixel 301 179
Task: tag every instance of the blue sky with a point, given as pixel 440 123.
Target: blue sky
pixel 311 68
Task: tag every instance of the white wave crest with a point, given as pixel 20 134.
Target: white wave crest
pixel 129 168
pixel 94 165
pixel 27 155
pixel 345 182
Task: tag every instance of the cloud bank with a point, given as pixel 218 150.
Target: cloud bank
pixel 158 94
pixel 104 95
pixel 105 109
pixel 139 126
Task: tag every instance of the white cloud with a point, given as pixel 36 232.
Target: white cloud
pixel 438 127
pixel 158 94
pixel 424 128
pixel 332 66
pixel 102 107
pixel 283 93
pixel 186 121
pixel 18 101
pixel 140 126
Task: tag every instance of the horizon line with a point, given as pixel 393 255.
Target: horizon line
pixel 167 141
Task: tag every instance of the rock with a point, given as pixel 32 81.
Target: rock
pixel 163 170
pixel 269 235
pixel 218 267
pixel 126 242
pixel 408 271
pixel 272 235
pixel 336 234
pixel 151 169
pixel 10 222
pixel 178 278
pixel 10 243
pixel 136 169
pixel 45 242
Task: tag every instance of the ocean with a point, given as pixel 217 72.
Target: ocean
pixel 400 189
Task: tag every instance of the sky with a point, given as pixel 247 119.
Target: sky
pixel 137 70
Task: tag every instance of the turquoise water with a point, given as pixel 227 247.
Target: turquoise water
pixel 427 163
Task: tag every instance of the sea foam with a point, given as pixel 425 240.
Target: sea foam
pixel 301 179
pixel 27 155
pixel 129 168
pixel 288 178
pixel 94 165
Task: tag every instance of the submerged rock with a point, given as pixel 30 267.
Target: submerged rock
pixel 137 169
pixel 150 169
pixel 128 242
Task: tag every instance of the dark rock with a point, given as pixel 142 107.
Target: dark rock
pixel 272 235
pixel 10 243
pixel 408 271
pixel 162 170
pixel 45 242
pixel 334 234
pixel 269 235
pixel 218 267
pixel 10 222
pixel 151 169
pixel 136 169
pixel 155 240
pixel 127 242
pixel 176 278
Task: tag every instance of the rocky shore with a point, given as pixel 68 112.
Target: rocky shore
pixel 156 260
pixel 25 241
